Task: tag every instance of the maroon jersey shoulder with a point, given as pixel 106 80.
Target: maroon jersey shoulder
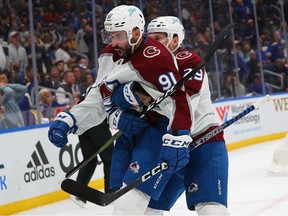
pixel 152 60
pixel 187 60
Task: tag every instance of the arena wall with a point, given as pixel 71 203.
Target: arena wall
pixel 31 168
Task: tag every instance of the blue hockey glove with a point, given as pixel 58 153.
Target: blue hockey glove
pixel 63 125
pixel 130 123
pixel 125 97
pixel 175 149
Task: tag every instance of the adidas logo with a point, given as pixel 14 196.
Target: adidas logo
pixel 39 162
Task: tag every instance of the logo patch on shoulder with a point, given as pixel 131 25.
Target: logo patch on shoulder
pixel 183 55
pixel 151 51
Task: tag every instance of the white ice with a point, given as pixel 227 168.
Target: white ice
pixel 251 190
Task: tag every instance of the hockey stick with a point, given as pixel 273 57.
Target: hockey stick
pixel 103 199
pixel 220 39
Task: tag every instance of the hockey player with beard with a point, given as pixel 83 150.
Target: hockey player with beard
pixel 205 177
pixel 130 56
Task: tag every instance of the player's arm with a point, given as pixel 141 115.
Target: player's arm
pixel 87 114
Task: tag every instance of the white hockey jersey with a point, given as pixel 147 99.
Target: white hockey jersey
pixel 202 112
pixel 153 66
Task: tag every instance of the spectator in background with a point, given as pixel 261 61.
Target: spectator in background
pixel 249 33
pixel 77 20
pixel 23 33
pixel 53 80
pixel 67 86
pixel 3 61
pixel 256 87
pixel 47 106
pixel 55 35
pixel 18 56
pixel 42 60
pixel 280 68
pixel 27 105
pixel 243 70
pixel 72 62
pixel 262 14
pixel 11 76
pixel 4 54
pixel 242 13
pixel 47 43
pixel 276 48
pixel 88 81
pixel 29 78
pixel 61 66
pixel 39 21
pixel 201 44
pixel 81 45
pixel 62 54
pixel 51 15
pixel 4 11
pixel 84 62
pixel 88 37
pixel 67 13
pixel 253 67
pixel 79 75
pixel 234 88
pixel 70 39
pixel 244 51
pixel 11 96
pixel 3 124
pixel 265 55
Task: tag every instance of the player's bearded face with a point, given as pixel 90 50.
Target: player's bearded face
pixel 119 41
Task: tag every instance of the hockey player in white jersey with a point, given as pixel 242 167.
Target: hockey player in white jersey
pixel 130 56
pixel 205 176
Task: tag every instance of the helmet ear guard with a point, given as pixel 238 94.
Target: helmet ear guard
pixel 124 18
pixel 170 25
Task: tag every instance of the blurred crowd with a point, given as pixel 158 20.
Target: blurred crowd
pixel 64 50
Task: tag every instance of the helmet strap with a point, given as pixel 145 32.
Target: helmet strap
pixel 133 45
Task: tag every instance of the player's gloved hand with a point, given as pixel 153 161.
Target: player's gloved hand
pixel 175 149
pixel 125 97
pixel 63 125
pixel 130 123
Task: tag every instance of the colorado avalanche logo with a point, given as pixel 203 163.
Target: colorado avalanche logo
pixel 151 51
pixel 134 167
pixel 183 55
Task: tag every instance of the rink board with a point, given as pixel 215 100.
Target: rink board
pixel 31 167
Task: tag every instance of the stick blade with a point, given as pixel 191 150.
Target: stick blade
pixel 83 191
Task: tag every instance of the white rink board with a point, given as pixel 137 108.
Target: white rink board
pixel 20 179
pixel 33 166
pixel 270 118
